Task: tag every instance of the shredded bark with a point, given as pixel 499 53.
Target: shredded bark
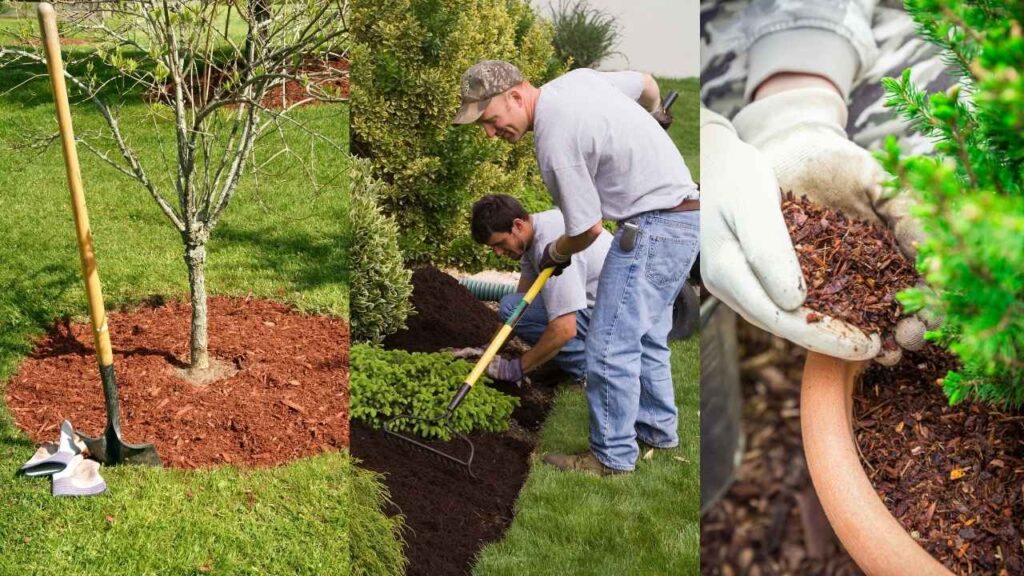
pixel 853 269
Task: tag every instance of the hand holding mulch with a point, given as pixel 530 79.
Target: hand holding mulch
pixel 853 269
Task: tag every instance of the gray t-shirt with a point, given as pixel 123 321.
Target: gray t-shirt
pixel 601 154
pixel 576 287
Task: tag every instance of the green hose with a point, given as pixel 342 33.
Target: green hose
pixel 488 291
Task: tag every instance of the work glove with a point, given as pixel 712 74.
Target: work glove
pixel 748 260
pixel 505 370
pixel 551 258
pixel 467 353
pixel 801 133
pixel 663 116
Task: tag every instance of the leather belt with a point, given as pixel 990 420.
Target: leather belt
pixel 687 206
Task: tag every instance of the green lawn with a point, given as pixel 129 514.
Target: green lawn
pixel 646 523
pixel 279 239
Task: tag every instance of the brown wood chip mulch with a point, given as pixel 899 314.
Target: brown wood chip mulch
pixel 853 269
pixel 952 475
pixel 287 400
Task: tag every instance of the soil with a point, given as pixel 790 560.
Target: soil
pixel 447 316
pixel 328 75
pixel 450 516
pixel 287 399
pixel 952 475
pixel 853 269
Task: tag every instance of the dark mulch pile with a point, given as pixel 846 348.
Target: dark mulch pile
pixel 330 75
pixel 447 316
pixel 951 475
pixel 287 400
pixel 450 516
pixel 853 269
pixel 770 521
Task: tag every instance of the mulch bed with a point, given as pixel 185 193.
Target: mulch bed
pixel 449 516
pixel 287 400
pixel 853 269
pixel 952 475
pixel 447 316
pixel 330 75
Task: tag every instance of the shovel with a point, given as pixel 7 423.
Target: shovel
pixel 109 448
pixel 446 420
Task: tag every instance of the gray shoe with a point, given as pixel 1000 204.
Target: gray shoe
pixel 585 462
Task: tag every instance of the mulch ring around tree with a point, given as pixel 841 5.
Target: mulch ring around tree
pixel 329 75
pixel 449 516
pixel 286 399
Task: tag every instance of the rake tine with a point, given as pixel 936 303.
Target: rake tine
pixel 405 440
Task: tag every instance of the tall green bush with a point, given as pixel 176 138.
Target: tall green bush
pixel 381 285
pixel 970 192
pixel 389 383
pixel 584 35
pixel 409 56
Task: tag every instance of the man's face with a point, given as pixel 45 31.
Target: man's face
pixel 505 117
pixel 511 244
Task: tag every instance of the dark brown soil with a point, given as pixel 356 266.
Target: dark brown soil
pixel 853 269
pixel 952 475
pixel 287 400
pixel 329 75
pixel 770 521
pixel 447 316
pixel 450 516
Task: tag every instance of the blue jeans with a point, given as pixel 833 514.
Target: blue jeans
pixel 572 358
pixel 629 378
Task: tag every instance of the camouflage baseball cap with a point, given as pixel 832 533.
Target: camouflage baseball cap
pixel 483 81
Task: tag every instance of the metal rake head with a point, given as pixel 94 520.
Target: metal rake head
pixel 408 439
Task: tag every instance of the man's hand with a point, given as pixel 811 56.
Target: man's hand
pixel 663 116
pixel 553 259
pixel 801 133
pixel 749 261
pixel 505 370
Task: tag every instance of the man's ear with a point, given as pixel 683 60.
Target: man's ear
pixel 514 97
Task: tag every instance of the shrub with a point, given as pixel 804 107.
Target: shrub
pixel 971 204
pixel 388 383
pixel 584 36
pixel 405 91
pixel 380 285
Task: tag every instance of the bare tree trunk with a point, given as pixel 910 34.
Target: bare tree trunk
pixel 195 259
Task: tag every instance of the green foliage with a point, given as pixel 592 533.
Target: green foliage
pixel 971 202
pixel 380 285
pixel 584 35
pixel 376 539
pixel 388 383
pixel 405 92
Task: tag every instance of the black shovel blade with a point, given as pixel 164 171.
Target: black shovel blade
pixel 110 450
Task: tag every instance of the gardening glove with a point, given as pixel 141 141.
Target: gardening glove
pixel 748 261
pixel 801 132
pixel 505 370
pixel 467 353
pixel 663 116
pixel 552 258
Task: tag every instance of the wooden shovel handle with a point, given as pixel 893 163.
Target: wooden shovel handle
pixel 90 274
pixel 875 540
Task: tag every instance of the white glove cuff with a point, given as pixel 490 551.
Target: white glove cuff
pixel 709 118
pixel 764 119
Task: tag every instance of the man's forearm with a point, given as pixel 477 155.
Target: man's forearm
pixel 558 332
pixel 650 97
pixel 569 245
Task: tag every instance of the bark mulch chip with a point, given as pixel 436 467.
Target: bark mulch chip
pixel 952 475
pixel 449 516
pixel 447 316
pixel 288 398
pixel 853 269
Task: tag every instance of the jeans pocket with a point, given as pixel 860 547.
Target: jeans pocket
pixel 667 260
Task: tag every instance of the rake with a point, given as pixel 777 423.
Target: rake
pixel 407 421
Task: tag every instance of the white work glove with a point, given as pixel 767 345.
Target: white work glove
pixel 748 260
pixel 802 134
pixel 467 353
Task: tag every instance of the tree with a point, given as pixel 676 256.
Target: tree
pixel 971 193
pixel 218 67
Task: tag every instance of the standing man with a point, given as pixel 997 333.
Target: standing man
pixel 602 155
pixel 556 325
